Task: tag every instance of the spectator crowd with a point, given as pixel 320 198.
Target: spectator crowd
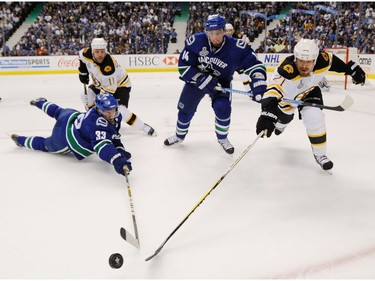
pixel 353 27
pixel 63 28
pixel 12 14
pixel 243 24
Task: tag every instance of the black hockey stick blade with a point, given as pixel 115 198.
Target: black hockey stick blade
pixel 158 249
pixel 129 238
pixel 344 105
pixel 154 254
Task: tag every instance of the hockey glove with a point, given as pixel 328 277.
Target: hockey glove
pixel 356 72
pixel 122 163
pixel 268 117
pixel 83 73
pixel 259 91
pixel 258 82
pixel 207 83
pixel 266 122
pixel 123 152
pixel 84 78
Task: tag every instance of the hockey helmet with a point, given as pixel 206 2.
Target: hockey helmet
pixel 215 22
pixel 306 49
pixel 105 102
pixel 98 43
pixel 229 26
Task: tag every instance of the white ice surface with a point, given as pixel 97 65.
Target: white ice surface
pixel 275 215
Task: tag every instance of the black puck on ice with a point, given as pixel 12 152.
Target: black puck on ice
pixel 116 260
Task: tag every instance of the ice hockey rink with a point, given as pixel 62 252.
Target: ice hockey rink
pixel 276 215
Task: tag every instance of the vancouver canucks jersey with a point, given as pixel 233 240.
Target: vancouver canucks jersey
pixel 89 133
pixel 198 56
pixel 106 76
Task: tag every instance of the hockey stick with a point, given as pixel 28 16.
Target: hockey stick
pixel 205 196
pixel 344 105
pixel 234 91
pixel 129 238
pixel 86 98
pixel 124 233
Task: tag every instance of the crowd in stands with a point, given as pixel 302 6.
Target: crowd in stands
pixel 63 28
pixel 354 27
pixel 12 14
pixel 243 23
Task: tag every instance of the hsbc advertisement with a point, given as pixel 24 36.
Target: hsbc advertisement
pixel 148 62
pixel 69 64
pixel 133 63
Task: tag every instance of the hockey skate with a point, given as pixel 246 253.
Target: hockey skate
pixel 14 138
pixel 149 130
pixel 33 102
pixel 172 140
pixel 226 145
pixel 324 162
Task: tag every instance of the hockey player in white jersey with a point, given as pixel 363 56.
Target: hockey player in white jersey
pixel 297 77
pixel 107 76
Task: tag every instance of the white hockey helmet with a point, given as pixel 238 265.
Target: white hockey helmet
pixel 228 26
pixel 306 49
pixel 98 43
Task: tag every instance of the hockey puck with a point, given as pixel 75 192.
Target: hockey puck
pixel 116 260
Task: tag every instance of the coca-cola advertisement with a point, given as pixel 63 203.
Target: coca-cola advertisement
pixel 68 62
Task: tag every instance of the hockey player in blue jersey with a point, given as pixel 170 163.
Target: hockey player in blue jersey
pixel 207 61
pixel 96 131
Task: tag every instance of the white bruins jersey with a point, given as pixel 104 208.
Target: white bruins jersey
pixel 108 75
pixel 287 83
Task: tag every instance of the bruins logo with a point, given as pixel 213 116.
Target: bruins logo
pixel 325 56
pixel 108 68
pixel 288 68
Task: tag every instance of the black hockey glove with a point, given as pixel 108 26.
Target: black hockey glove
pixel 268 118
pixel 83 73
pixel 356 72
pixel 122 163
pixel 84 78
pixel 207 83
